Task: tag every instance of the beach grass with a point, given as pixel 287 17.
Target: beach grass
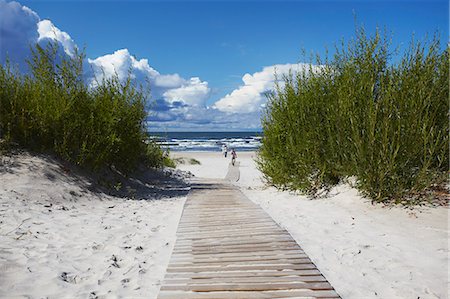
pixel 51 109
pixel 183 160
pixel 193 161
pixel 361 114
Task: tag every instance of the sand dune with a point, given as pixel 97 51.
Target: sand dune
pixel 63 238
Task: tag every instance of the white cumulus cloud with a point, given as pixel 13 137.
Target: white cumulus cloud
pixel 193 92
pixel 172 87
pixel 250 96
pixel 47 30
pixel 18 31
pixel 120 63
pixel 169 81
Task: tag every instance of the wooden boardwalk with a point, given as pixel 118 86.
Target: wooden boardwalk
pixel 228 247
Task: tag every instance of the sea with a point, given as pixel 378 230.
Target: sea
pixel 207 141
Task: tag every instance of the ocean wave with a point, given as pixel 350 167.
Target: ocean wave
pixel 213 144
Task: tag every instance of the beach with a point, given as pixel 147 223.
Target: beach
pixel 116 119
pixel 62 238
pixel 364 250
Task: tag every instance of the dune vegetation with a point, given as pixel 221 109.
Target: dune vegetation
pixel 369 113
pixel 52 109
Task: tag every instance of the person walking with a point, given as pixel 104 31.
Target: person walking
pixel 233 156
pixel 224 150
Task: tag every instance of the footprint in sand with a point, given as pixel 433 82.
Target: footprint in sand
pixel 69 277
pixel 142 271
pixel 114 261
pixel 124 282
pixel 106 275
pixel 97 246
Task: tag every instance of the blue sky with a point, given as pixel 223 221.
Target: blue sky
pixel 220 42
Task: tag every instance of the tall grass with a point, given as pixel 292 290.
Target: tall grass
pixel 53 109
pixel 359 114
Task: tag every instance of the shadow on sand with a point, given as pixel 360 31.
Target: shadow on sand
pixel 142 184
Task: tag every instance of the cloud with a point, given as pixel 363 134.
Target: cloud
pixel 202 118
pixel 193 92
pixel 18 30
pixel 48 31
pixel 169 81
pixel 250 97
pixel 171 88
pixel 21 28
pixel 121 63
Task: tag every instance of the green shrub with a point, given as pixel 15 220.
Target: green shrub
pixel 154 156
pixel 359 114
pixel 52 109
pixel 168 162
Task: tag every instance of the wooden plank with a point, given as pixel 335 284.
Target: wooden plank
pixel 229 228
pixel 229 240
pixel 267 262
pixel 247 295
pixel 247 235
pixel 232 240
pixel 244 251
pixel 220 225
pixel 233 215
pixel 273 286
pixel 230 233
pixel 279 267
pixel 228 247
pixel 238 256
pixel 242 243
pixel 248 246
pixel 259 273
pixel 256 279
pixel 245 248
pixel 224 221
pixel 220 210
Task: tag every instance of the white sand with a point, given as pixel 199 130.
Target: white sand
pixel 212 164
pixel 60 240
pixel 364 250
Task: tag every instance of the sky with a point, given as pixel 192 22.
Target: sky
pixel 210 62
